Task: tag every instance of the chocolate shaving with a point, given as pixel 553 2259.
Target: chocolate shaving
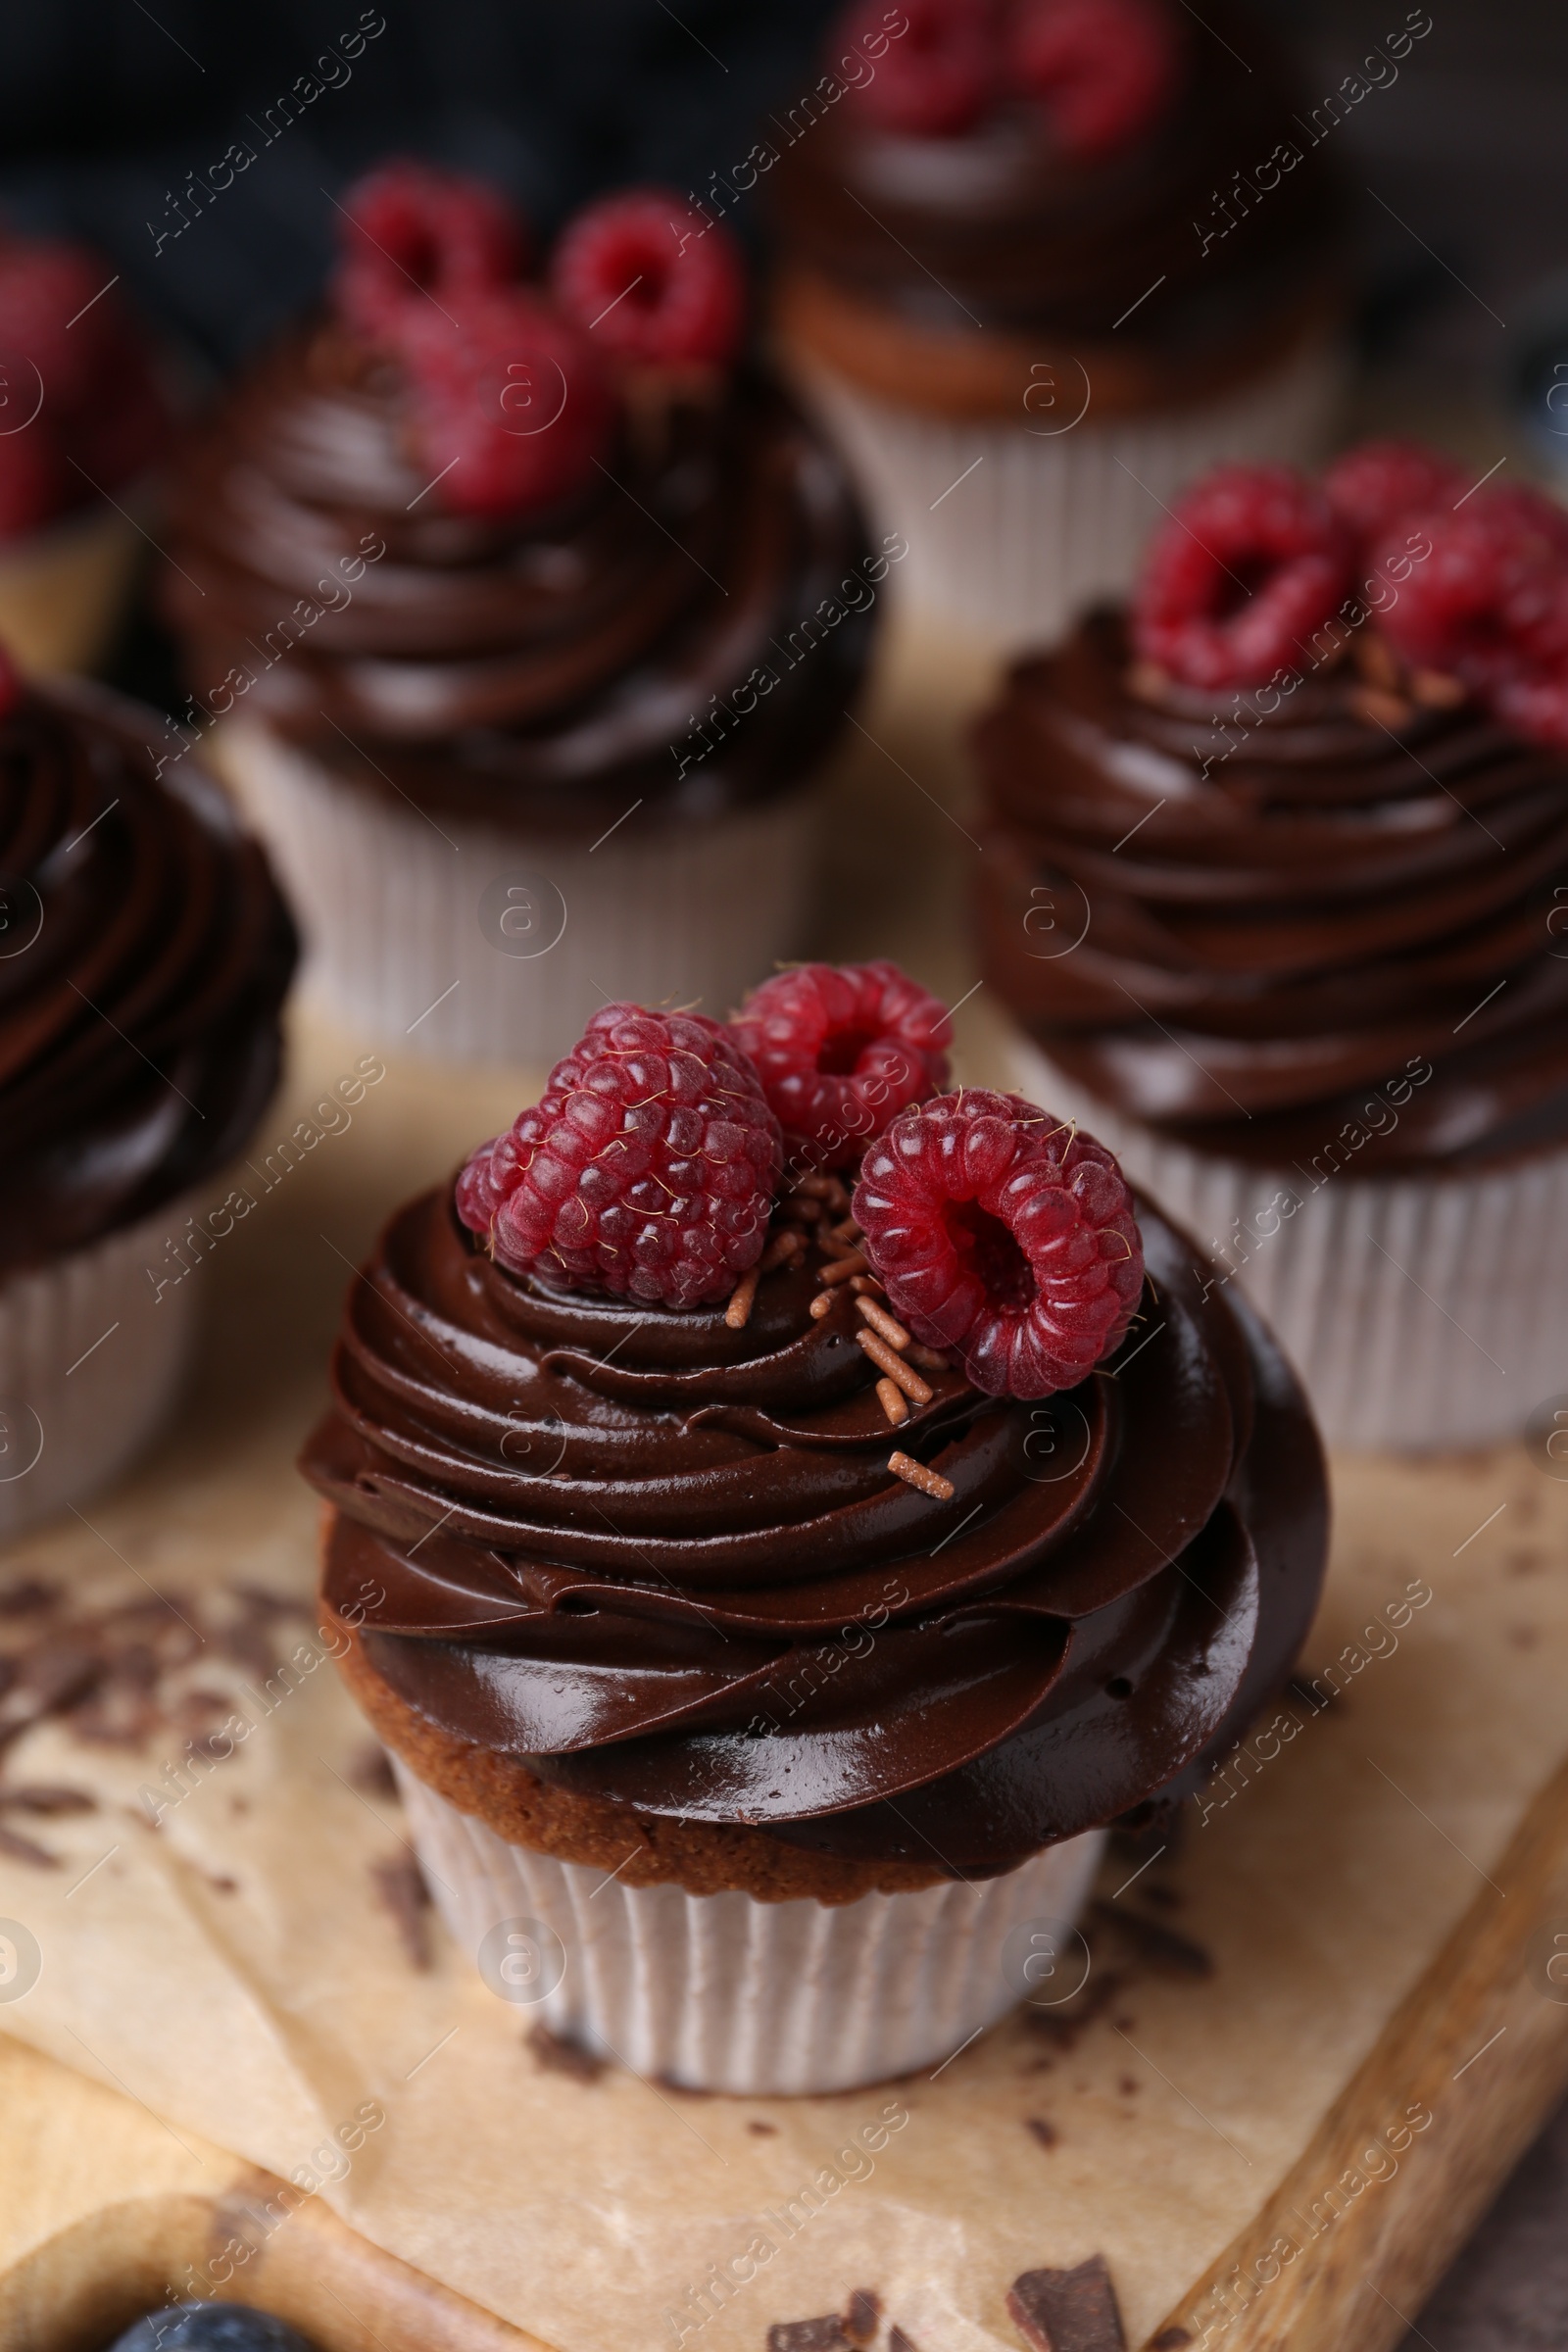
pixel 40 1797
pixel 864 2312
pixel 403 1893
pixel 809 2336
pixel 558 2056
pixel 22 1849
pixel 1046 2133
pixel 1066 2026
pixel 1160 1948
pixel 1067 2311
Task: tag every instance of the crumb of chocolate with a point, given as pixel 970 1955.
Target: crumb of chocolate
pixel 27 1597
pixel 371 1770
pixel 864 2310
pixel 1127 2087
pixel 555 2055
pixel 1163 1896
pixel 22 1849
pixel 898 2341
pixel 1159 1947
pixel 402 1893
pixel 1046 2133
pixel 44 1796
pixel 809 2336
pixel 761 2129
pixel 220 1883
pixel 1170 2339
pixel 1067 2311
pixel 1123 2024
pixel 1523 1637
pixel 1064 2024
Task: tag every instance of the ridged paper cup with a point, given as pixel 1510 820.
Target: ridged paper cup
pixel 92 1355
pixel 1014 526
pixel 1422 1312
pixel 63 590
pixel 723 1993
pixel 487 944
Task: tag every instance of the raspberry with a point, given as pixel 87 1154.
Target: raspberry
pixel 1004 1235
pixel 936 78
pixel 840 1052
pixel 1536 704
pixel 1488 602
pixel 11 687
pixel 43 288
pixel 510 409
pixel 1377 482
pixel 1102 71
pixel 653 282
pixel 1253 561
pixel 411 227
pixel 647 1169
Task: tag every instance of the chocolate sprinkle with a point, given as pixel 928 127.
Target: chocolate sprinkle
pixel 1067 2311
pixel 558 2056
pixel 862 2314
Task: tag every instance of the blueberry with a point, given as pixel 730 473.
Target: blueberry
pixel 210 2328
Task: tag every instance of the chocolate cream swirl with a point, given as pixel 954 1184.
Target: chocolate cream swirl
pixel 998 228
pixel 664 1563
pixel 1287 908
pixel 144 954
pixel 543 669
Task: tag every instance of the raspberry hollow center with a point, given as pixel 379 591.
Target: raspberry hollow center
pixel 840 1054
pixel 987 1249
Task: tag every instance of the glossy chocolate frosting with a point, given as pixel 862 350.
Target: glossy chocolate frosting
pixel 545 668
pixel 664 1563
pixel 1337 905
pixel 144 955
pixel 998 228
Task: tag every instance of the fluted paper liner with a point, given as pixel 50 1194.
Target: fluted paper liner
pixel 1421 1312
pixel 484 945
pixel 1011 527
pixel 718 1992
pixel 92 1353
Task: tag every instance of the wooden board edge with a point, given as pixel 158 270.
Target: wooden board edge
pixel 76 2291
pixel 1343 2254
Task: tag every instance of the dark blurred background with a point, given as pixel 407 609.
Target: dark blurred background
pixel 1458 170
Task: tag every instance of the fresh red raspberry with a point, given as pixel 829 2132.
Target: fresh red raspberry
pixel 841 1050
pixel 1252 561
pixel 1104 71
pixel 1488 602
pixel 1536 704
pixel 43 288
pixel 12 685
pixel 653 281
pixel 410 232
pixel 1004 1235
pixel 1371 486
pixel 933 80
pixel 648 1167
pixel 512 409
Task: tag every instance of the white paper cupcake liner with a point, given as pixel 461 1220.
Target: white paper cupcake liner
pixel 473 944
pixel 721 1993
pixel 1422 1312
pixel 1012 530
pixel 91 1361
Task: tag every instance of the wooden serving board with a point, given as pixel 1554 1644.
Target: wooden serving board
pixel 1314 2040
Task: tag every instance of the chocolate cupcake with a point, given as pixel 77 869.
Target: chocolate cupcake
pixel 1043 263
pixel 526 611
pixel 1269 887
pixel 767 1599
pixel 144 954
pixel 84 418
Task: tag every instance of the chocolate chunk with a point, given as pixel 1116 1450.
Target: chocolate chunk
pixel 861 2319
pixel 1170 2339
pixel 1159 1947
pixel 809 2336
pixel 1067 2311
pixel 22 1849
pixel 42 1796
pixel 1046 2133
pixel 558 2056
pixel 404 1892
